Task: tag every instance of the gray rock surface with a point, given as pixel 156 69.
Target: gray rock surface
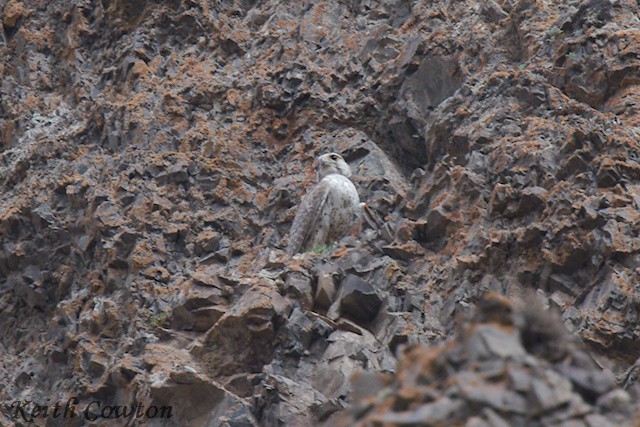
pixel 152 155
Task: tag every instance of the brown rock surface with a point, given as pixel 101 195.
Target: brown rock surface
pixel 152 154
pixel 510 366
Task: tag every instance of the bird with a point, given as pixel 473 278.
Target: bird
pixel 327 210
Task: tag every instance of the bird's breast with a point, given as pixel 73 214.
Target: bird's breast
pixel 341 206
pixel 342 192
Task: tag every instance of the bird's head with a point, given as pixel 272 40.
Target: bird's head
pixel 332 163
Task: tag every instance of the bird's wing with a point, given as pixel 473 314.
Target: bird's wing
pixel 306 216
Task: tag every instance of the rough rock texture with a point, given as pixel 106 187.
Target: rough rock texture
pixel 507 367
pixel 152 153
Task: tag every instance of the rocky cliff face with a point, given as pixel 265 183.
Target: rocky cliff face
pixel 152 154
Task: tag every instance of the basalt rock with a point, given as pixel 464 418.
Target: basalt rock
pixel 487 375
pixel 152 155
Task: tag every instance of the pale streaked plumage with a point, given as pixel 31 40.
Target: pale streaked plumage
pixel 328 210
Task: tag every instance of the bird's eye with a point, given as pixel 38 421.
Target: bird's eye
pixel 334 157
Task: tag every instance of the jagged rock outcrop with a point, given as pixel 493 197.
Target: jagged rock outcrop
pixel 152 154
pixel 509 366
